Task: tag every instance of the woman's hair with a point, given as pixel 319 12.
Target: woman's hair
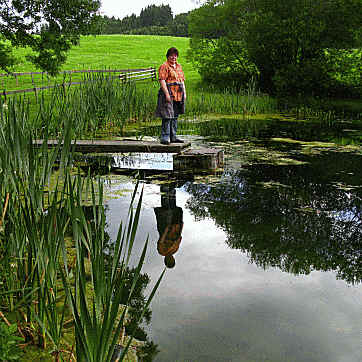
pixel 171 51
pixel 169 261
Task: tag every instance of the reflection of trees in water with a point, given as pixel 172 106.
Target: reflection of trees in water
pixel 291 217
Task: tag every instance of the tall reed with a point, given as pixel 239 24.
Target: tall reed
pixel 39 279
pixel 31 253
pixel 99 319
pixel 101 103
pixel 202 100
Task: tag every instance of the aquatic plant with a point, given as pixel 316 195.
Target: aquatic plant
pixel 99 319
pixel 228 101
pixel 40 278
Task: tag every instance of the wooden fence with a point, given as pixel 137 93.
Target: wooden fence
pixel 125 75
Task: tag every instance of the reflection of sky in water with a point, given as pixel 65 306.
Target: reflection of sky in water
pixel 345 216
pixel 216 306
pixel 144 161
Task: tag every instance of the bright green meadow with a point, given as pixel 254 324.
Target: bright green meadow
pixel 114 52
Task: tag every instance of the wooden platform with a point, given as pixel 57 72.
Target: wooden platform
pixel 184 158
pixel 122 146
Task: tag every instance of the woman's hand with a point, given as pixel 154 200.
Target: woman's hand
pixel 165 91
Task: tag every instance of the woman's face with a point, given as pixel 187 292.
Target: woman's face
pixel 172 58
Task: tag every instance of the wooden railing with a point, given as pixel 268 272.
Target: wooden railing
pixel 126 75
pixel 138 74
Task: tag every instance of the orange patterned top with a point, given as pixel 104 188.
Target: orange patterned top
pixel 166 245
pixel 172 74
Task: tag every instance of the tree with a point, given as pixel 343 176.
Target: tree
pixel 156 15
pixel 110 25
pixel 50 28
pixel 130 22
pixel 153 20
pixel 285 39
pixel 179 25
pixel 217 52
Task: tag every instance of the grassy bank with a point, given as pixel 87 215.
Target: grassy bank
pixel 117 51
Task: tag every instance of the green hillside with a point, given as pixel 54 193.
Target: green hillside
pixel 109 52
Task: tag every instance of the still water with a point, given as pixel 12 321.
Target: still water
pixel 269 264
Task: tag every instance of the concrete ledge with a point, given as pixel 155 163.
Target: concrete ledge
pixel 202 158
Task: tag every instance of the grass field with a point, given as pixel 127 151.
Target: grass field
pixel 106 52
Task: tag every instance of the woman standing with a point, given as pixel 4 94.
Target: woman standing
pixel 171 96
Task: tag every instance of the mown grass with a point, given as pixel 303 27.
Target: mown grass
pixel 113 51
pixel 106 52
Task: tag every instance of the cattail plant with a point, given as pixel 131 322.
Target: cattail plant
pixel 99 319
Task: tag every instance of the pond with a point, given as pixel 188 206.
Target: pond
pixel 269 264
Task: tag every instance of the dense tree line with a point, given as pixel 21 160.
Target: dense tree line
pixel 288 46
pixel 153 20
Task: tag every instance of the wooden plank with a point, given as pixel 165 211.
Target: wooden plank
pixel 122 146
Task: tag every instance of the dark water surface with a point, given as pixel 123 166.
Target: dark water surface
pixel 269 267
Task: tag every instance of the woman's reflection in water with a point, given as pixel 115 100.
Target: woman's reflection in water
pixel 169 224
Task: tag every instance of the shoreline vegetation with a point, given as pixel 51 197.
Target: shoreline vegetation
pixel 60 290
pixel 54 273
